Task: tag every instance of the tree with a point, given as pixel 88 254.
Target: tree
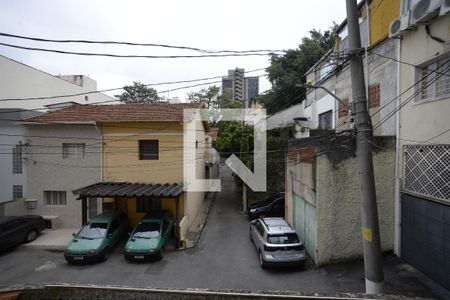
pixel 212 98
pixel 138 93
pixel 287 71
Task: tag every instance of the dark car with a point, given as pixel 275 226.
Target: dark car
pixel 271 207
pixel 20 229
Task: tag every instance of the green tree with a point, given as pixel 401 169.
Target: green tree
pixel 287 71
pixel 139 93
pixel 212 98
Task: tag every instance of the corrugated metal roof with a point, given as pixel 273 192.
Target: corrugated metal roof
pixel 126 189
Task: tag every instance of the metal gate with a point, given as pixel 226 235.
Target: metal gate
pixel 304 223
pixel 425 236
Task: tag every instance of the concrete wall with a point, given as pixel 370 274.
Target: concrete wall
pixel 338 205
pixel 49 171
pixel 22 81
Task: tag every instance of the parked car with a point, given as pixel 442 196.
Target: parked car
pixel 271 207
pixel 150 236
pixel 97 237
pixel 20 229
pixel 277 242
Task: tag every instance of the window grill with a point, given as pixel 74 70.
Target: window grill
pixel 427 170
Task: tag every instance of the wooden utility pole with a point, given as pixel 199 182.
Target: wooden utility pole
pixel 373 263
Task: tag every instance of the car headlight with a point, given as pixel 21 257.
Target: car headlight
pixel 92 251
pixel 253 210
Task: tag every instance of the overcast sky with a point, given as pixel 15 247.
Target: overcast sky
pixel 232 24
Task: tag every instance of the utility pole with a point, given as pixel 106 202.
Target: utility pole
pixel 244 187
pixel 373 264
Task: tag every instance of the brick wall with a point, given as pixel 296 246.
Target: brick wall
pixel 374 96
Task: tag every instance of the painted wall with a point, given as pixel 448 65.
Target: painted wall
pixel 22 81
pixel 49 171
pixel 338 205
pixel 382 13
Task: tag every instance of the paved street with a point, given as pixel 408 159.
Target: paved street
pixel 223 259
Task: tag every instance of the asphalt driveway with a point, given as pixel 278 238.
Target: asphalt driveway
pixel 224 259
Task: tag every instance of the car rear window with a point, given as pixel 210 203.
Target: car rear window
pixel 147 230
pixel 283 239
pixel 93 231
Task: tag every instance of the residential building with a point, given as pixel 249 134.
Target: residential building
pixel 125 157
pixel 241 87
pixel 23 81
pixel 423 140
pixel 321 172
pixel 13 167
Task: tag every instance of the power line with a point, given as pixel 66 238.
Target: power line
pixel 133 55
pixel 133 44
pixel 121 88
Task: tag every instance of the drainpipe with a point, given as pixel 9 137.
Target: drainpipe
pixel 101 149
pixel 397 202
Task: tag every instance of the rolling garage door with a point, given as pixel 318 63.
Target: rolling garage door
pixel 426 237
pixel 304 223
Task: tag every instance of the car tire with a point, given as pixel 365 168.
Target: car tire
pixel 31 236
pixel 262 262
pixel 250 234
pixel 161 253
pixel 105 255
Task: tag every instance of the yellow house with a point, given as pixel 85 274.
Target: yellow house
pixel 142 153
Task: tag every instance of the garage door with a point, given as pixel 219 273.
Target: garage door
pixel 426 237
pixel 304 223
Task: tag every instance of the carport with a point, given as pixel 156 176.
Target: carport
pixel 120 190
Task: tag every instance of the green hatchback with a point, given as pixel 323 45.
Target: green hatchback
pixel 150 236
pixel 95 239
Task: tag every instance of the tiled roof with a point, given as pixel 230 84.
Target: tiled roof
pixel 126 189
pixel 158 112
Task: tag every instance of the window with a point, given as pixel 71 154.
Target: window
pixel 374 96
pixel 259 228
pixel 146 204
pixel 17 192
pixel 92 207
pixel 55 197
pixel 435 80
pixel 17 159
pixel 114 226
pixel 325 120
pixel 149 149
pixel 283 239
pixel 107 206
pixel 409 4
pixel 72 150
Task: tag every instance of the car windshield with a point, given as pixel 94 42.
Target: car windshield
pixel 93 231
pixel 283 239
pixel 147 230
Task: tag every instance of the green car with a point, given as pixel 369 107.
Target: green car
pixel 95 239
pixel 150 236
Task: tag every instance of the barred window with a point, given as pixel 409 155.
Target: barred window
pixel 17 159
pixel 73 150
pixel 17 191
pixel 427 170
pixel 435 80
pixel 55 197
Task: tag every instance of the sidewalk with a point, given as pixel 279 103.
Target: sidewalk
pixel 195 230
pixel 49 239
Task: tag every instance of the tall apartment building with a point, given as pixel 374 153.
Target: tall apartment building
pixel 243 88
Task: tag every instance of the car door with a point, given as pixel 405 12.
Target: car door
pixel 259 235
pixel 114 232
pixel 12 232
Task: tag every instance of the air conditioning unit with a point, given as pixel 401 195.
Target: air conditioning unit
pixel 400 24
pixel 445 8
pixel 424 10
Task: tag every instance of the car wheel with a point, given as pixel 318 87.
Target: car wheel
pixel 262 262
pixel 250 234
pixel 31 236
pixel 105 255
pixel 161 253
